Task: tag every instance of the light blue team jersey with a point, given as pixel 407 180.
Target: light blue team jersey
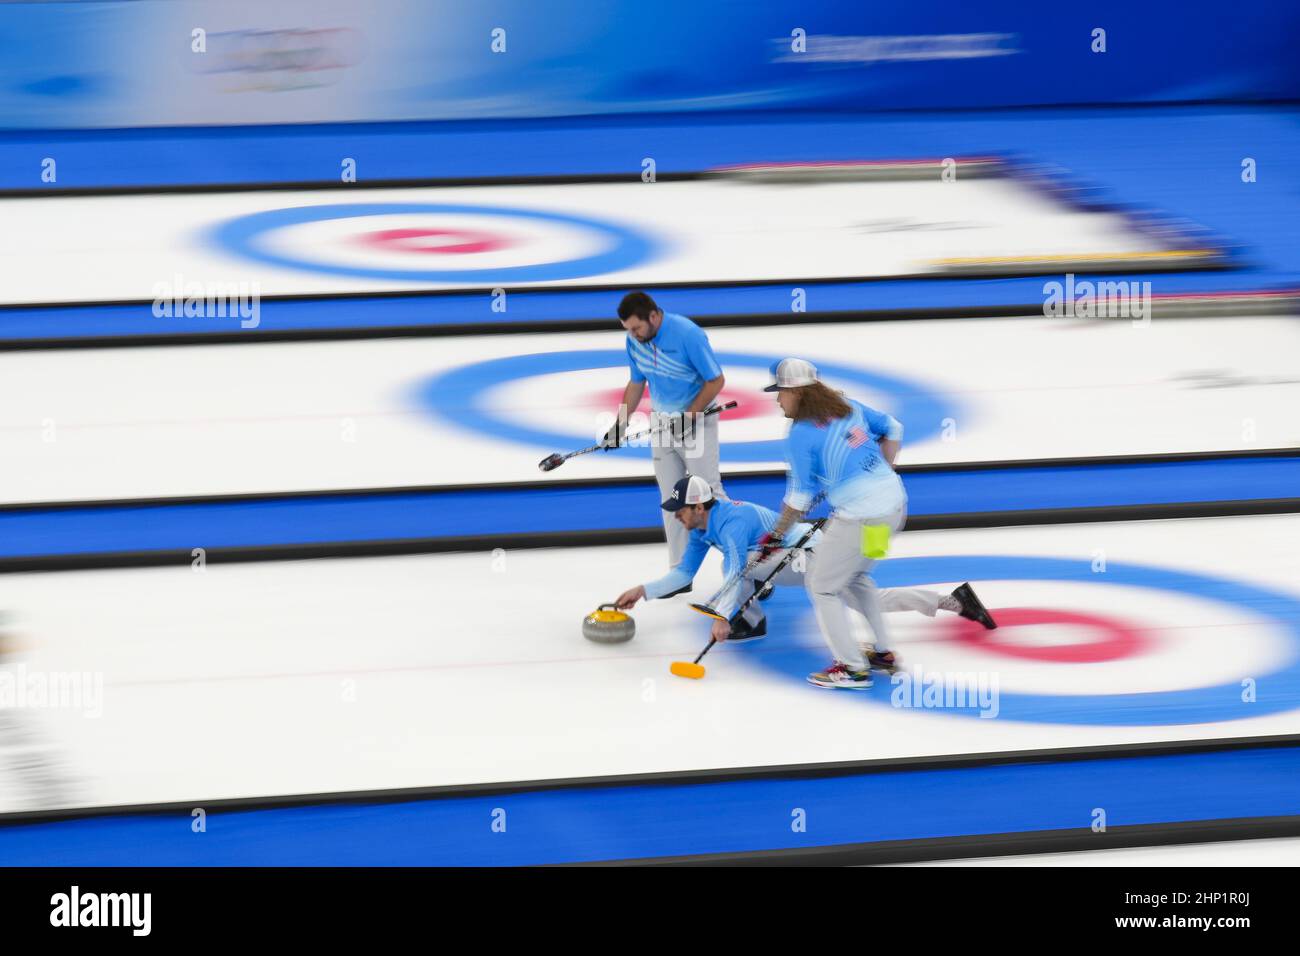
pixel 676 363
pixel 734 528
pixel 843 456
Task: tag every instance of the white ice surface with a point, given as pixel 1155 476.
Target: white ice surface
pixel 105 248
pixel 220 419
pixel 358 674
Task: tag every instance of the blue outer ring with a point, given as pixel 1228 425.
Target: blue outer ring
pixel 455 396
pixel 625 248
pixel 1276 692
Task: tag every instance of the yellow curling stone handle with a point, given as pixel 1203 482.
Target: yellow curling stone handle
pixel 612 616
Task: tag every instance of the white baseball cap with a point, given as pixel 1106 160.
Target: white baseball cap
pixel 691 490
pixel 792 373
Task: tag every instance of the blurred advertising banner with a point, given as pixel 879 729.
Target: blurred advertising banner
pixel 222 62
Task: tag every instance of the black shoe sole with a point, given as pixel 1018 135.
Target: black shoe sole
pixel 890 669
pixel 760 631
pixel 972 608
pixel 686 590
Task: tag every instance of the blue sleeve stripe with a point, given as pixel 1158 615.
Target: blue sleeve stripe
pixel 674 580
pixel 799 500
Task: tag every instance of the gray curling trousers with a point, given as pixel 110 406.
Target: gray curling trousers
pixel 841 578
pixel 795 574
pixel 698 455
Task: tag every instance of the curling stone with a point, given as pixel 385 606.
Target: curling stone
pixel 608 625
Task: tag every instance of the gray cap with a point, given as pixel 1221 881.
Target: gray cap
pixel 793 373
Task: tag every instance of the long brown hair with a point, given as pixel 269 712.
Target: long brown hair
pixel 821 404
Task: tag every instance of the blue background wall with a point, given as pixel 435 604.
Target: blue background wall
pixel 117 64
